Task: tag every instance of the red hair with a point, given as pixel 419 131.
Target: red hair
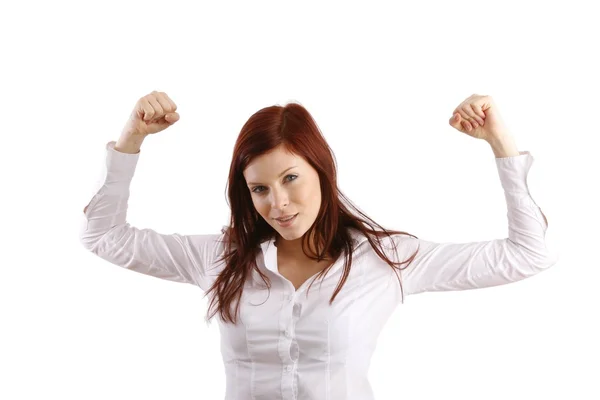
pixel 292 127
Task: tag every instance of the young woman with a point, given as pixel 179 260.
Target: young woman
pixel 290 226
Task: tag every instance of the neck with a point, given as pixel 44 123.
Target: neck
pixel 292 248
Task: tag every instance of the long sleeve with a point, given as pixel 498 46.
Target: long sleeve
pixel 462 266
pixel 105 232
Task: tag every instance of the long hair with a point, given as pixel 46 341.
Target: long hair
pixel 292 127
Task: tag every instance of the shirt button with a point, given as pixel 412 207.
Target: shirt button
pixel 288 368
pixel 287 333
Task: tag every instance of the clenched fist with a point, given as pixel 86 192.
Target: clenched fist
pixel 152 113
pixel 478 117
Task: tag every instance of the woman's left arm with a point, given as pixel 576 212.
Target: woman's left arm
pixel 460 266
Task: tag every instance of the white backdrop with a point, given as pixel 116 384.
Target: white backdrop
pixel 381 79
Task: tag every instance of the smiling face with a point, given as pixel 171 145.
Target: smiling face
pixel 284 184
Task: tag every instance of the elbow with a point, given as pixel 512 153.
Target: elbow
pixel 89 238
pixel 534 260
pixel 538 264
pixel 547 261
pixel 88 241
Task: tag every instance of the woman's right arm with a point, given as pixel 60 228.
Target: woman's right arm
pixel 105 231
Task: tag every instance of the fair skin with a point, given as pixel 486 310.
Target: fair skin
pixel 282 184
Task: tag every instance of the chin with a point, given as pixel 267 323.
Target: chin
pixel 290 235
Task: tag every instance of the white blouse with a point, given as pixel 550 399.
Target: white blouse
pixel 292 345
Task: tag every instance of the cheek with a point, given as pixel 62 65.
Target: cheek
pixel 262 207
pixel 309 195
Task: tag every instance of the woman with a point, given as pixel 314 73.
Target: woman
pixel 289 226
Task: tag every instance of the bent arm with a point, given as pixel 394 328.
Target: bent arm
pixel 106 233
pixel 462 266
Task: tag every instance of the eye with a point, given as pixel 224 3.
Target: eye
pixel 261 191
pixel 294 176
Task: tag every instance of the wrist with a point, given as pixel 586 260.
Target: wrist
pixel 129 143
pixel 504 146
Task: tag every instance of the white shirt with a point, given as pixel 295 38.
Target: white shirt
pixel 293 346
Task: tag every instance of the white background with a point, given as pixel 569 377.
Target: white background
pixel 381 79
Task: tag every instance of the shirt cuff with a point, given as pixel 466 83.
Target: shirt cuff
pixel 120 167
pixel 513 171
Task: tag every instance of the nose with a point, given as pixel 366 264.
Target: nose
pixel 279 199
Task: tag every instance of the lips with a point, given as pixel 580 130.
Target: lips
pixel 287 217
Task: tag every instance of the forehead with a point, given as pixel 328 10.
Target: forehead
pixel 271 164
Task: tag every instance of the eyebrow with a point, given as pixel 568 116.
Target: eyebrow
pixel 256 183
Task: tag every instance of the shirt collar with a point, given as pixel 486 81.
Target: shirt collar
pixel 270 251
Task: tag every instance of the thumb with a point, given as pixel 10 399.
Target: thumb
pixel 172 117
pixel 455 121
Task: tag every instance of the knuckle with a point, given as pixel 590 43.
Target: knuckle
pixel 163 100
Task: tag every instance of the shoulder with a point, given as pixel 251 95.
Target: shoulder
pixel 395 245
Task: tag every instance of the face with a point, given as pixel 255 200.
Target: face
pixel 284 184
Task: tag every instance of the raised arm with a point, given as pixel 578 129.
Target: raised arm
pixel 461 266
pixel 105 231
